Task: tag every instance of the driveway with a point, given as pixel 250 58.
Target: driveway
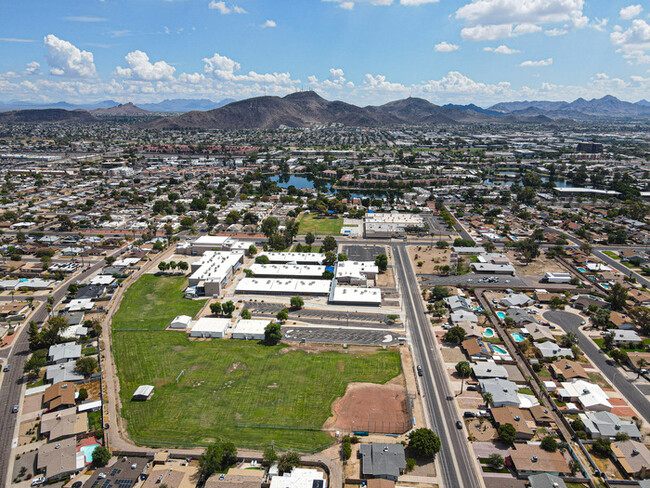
pixel 570 322
pixel 334 335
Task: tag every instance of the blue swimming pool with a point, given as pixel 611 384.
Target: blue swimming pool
pixel 518 337
pixel 582 270
pixel 498 349
pixel 88 452
pixel 489 332
pixel 501 315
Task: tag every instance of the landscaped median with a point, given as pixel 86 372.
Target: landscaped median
pixel 239 391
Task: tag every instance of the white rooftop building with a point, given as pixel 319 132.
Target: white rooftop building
pixel 213 271
pixel 356 272
pixel 250 329
pixel 352 295
pixel 591 396
pixel 287 270
pixel 209 327
pixel 272 286
pixel 181 322
pixel 295 257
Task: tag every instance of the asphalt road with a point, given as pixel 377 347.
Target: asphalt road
pixel 11 391
pixel 458 468
pixel 472 279
pixel 570 322
pixel 621 267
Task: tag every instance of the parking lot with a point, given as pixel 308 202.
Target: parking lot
pixel 473 279
pixel 363 253
pixel 356 319
pixel 331 335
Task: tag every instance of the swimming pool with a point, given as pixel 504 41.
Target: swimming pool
pixel 498 349
pixel 88 452
pixel 518 337
pixel 501 315
pixel 488 332
pixel 582 270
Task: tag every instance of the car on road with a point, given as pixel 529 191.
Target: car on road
pixel 38 481
pixel 14 409
pixel 6 368
pixel 459 424
pixel 420 372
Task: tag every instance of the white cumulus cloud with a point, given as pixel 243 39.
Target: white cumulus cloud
pixel 631 11
pixel 634 42
pixel 540 63
pixel 140 68
pixel 224 9
pixel 502 49
pixel 349 4
pixel 66 59
pixel 446 47
pixel 269 24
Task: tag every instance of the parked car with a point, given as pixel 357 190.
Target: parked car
pixel 6 368
pixel 38 481
pixel 459 424
pixel 469 415
pixel 420 372
pixel 471 388
pixel 15 409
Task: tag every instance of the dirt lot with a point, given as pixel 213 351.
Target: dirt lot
pixel 33 403
pixel 385 279
pixel 28 431
pixel 539 266
pixel 482 430
pixel 371 407
pixel 430 257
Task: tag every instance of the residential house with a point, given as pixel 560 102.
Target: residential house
pixel 380 460
pixel 607 424
pixel 59 459
pixel 545 480
pixel 566 370
pixel 476 349
pixel 621 321
pixel 503 392
pixel 624 336
pixel 529 459
pixel 457 303
pixel 516 300
pixel 550 350
pixel 58 373
pixel 489 369
pixel 62 353
pixel 633 457
pixel 172 476
pixel 589 395
pixel 520 316
pixel 61 395
pixel 521 419
pixel 63 423
pixel 299 478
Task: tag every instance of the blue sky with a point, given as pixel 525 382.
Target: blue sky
pixel 362 51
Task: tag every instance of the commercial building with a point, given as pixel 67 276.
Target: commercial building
pixel 563 278
pixel 351 295
pixel 303 271
pixel 250 329
pixel 385 225
pixel 505 269
pixel 211 273
pixel 293 287
pixel 295 257
pixel 356 272
pixel 181 322
pixel 204 244
pixel 209 327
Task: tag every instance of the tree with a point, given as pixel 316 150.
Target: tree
pixel 83 395
pixel 424 443
pixel 330 259
pixel 270 226
pixel 557 303
pixel 496 461
pixel 507 433
pixel 187 223
pixel 252 250
pixel 586 248
pixel 455 335
pixel 608 341
pixel 619 356
pixel 101 456
pixel 162 266
pixel 622 436
pixel 569 339
pixel 549 444
pixel 529 248
pixel 439 292
pixel 641 316
pixel 263 259
pixel 464 370
pixel 270 457
pixel 217 457
pixel 600 318
pixel 310 238
pixel 288 461
pixel 489 246
pixel 182 265
pixel 228 308
pixel 272 334
pixel 282 315
pixel 33 365
pixel 602 447
pixel 641 363
pixel 245 314
pixel 327 275
pixel 574 466
pixel 329 244
pixel 487 398
pixel 297 303
pixel 618 296
pixel 381 262
pixel 86 366
pixel 216 308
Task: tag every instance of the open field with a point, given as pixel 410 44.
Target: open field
pixel 234 390
pixel 431 257
pixel 320 226
pixel 152 302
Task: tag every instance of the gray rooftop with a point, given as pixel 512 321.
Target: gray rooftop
pixel 382 460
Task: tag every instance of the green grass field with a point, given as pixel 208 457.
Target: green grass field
pixel 321 226
pixel 233 390
pixel 153 301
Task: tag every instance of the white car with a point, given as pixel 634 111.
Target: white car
pixel 38 481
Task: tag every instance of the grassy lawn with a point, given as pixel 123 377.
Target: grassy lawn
pixel 95 420
pixel 239 391
pixel 320 226
pixel 612 255
pixel 152 302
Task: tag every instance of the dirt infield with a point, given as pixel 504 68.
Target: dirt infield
pixel 372 408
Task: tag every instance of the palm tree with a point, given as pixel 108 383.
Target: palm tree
pixel 488 399
pixel 464 370
pixel 641 363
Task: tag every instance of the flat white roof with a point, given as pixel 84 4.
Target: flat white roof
pixel 353 294
pixel 251 326
pixel 216 265
pixel 211 240
pixel 210 324
pixel 283 286
pixel 289 257
pixel 289 270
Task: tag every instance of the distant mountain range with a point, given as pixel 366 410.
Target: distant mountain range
pixel 180 105
pixel 302 109
pixel 580 109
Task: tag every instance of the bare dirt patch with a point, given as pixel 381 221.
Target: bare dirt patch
pixel 430 256
pixel 372 408
pixel 537 267
pixel 385 279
